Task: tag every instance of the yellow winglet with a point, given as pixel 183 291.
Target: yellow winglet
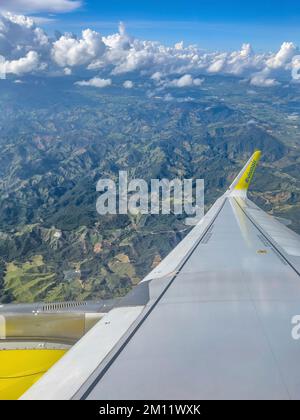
pixel 244 178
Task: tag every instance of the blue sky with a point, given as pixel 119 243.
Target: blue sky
pixel 216 27
pixel 212 24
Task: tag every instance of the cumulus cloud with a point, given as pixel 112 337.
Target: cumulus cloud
pixel 157 76
pixel 23 65
pixel 37 6
pixel 19 34
pixel 261 79
pixel 119 53
pixel 295 66
pixel 185 81
pixel 284 55
pixel 217 65
pixel 95 82
pixel 179 45
pixel 235 62
pixel 67 71
pixel 70 51
pixel 128 84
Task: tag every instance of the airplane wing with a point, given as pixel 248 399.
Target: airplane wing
pixel 212 321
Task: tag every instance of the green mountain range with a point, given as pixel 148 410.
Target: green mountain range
pixel 58 140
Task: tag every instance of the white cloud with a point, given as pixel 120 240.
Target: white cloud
pixel 185 81
pixel 27 64
pixel 67 71
pixel 157 76
pixel 120 53
pixel 70 51
pixel 217 65
pixel 284 55
pixel 19 34
pixel 295 68
pixel 179 45
pixel 261 79
pixel 37 6
pixel 235 62
pixel 40 20
pixel 95 82
pixel 128 84
pixel 198 82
